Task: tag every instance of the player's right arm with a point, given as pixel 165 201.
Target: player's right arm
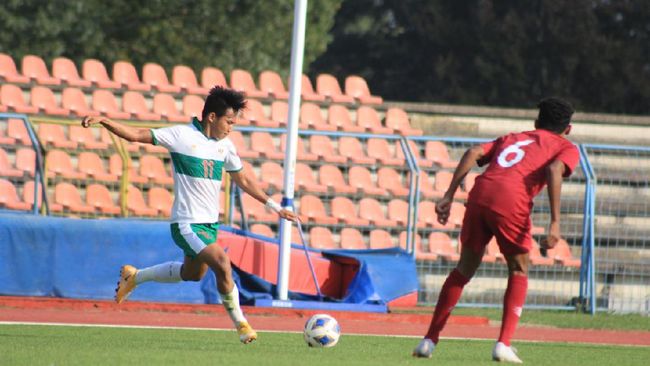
pixel 554 174
pixel 128 133
pixel 469 159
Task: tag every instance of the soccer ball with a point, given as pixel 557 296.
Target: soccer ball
pixel 321 330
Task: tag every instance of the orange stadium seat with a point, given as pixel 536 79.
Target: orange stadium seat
pixel 321 238
pixel 51 134
pixel 43 98
pixel 301 152
pixel 92 165
pixel 273 174
pixel 115 167
pixel 328 86
pixel 536 257
pixel 321 146
pixel 95 72
pixel 440 244
pixel 381 239
pixel 34 68
pixel 105 103
pixel 9 197
pixel 154 75
pixel 398 211
pixel 280 113
pixel 4 139
pixel 339 117
pixel 28 196
pixel 8 71
pixel 211 77
pixel 184 77
pixel 443 180
pixel 254 114
pixel 437 152
pixel 415 149
pixel 241 80
pixel 312 118
pixel 136 205
pixel 256 210
pixel 262 142
pixel 391 180
pixel 331 177
pixel 12 97
pixel 67 195
pixel 135 104
pixel 271 83
pixel 426 186
pixel 65 70
pixel 108 137
pixel 86 138
pixel 26 161
pixel 368 119
pixel 6 167
pixel 561 253
pixel 307 91
pixel 153 168
pixel 193 106
pixel 371 210
pixel 427 214
pixel 125 73
pixel 304 179
pixel 356 87
pixel 457 213
pixel 418 242
pixel 398 120
pixel 165 106
pixel 263 230
pixel 351 148
pixel 75 100
pixel 99 197
pixel 344 210
pixel 492 252
pixel 242 146
pixel 161 200
pixel 312 209
pixel 352 239
pixel 59 163
pixel 16 129
pixel 361 179
pixel 380 150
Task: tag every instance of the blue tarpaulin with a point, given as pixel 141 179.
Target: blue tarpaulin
pixel 75 258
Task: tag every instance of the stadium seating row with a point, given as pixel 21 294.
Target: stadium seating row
pixel 183 80
pixel 135 106
pixel 438 246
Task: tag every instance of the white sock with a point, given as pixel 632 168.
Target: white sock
pixel 164 272
pixel 231 303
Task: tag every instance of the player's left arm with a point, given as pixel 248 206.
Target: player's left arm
pixel 250 186
pixel 469 159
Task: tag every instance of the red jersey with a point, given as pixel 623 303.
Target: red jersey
pixel 516 171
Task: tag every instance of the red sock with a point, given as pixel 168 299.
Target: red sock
pixel 448 298
pixel 513 303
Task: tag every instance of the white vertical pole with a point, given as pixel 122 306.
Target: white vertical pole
pixel 297 52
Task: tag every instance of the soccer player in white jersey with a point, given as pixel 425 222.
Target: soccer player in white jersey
pixel 199 151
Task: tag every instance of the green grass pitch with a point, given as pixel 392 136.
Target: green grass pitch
pixel 88 345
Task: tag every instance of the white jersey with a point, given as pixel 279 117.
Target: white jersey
pixel 198 167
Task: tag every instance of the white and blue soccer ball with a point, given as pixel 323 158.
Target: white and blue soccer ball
pixel 322 330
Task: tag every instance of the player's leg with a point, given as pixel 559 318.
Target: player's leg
pixel 217 259
pixel 474 235
pixel 513 237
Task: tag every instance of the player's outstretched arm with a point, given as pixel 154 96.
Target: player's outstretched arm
pixel 554 174
pixel 250 186
pixel 128 133
pixel 443 206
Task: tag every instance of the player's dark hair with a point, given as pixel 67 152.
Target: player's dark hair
pixel 220 99
pixel 554 114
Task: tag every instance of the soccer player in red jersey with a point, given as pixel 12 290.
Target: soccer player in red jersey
pixel 499 205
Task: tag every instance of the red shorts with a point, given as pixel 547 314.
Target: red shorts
pixel 480 224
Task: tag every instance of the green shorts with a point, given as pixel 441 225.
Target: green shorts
pixel 193 238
